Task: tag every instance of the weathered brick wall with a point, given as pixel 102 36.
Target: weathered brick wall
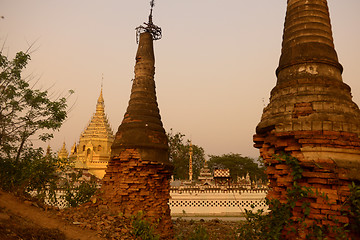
pixel 311 116
pixel 138 174
pixel 132 184
pixel 329 182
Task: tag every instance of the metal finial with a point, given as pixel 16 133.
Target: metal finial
pixel 102 80
pixel 152 4
pixel 149 26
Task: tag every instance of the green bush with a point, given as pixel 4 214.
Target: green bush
pixel 78 191
pixel 199 234
pixel 354 204
pixel 27 112
pixel 32 172
pixel 42 176
pixel 143 229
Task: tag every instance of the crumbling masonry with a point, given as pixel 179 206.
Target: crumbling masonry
pixel 137 177
pixel 311 116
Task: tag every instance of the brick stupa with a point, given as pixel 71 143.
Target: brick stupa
pixel 311 116
pixel 137 176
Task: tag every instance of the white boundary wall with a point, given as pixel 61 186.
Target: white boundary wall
pixel 216 202
pixel 208 202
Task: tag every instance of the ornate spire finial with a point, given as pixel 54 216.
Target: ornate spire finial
pixel 154 30
pixel 63 153
pixel 102 80
pixel 152 4
pixel 48 150
pixel 101 99
pixel 190 161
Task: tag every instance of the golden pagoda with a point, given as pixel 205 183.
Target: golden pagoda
pixel 94 148
pixel 62 154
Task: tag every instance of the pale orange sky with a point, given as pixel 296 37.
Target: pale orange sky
pixel 214 66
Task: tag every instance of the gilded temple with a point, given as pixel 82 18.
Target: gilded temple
pixel 62 154
pixel 94 148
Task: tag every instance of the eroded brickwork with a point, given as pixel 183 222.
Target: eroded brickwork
pixel 137 178
pixel 132 185
pixel 329 181
pixel 311 116
pixel 138 174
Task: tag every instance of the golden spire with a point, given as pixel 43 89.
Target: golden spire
pixel 48 150
pixel 100 107
pixel 63 153
pixel 99 126
pixel 101 99
pixel 190 162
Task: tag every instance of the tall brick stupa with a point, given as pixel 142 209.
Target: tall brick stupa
pixel 311 116
pixel 138 174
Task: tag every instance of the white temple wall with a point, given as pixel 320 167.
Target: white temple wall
pixel 216 203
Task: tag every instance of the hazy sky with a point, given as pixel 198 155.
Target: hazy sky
pixel 214 65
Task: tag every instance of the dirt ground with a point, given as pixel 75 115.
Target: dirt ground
pixel 21 219
pixel 26 220
pixel 214 229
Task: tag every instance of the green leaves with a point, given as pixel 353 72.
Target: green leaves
pixel 200 233
pixel 33 172
pixel 78 191
pixel 354 203
pixel 179 156
pixel 24 110
pixel 142 228
pixel 239 166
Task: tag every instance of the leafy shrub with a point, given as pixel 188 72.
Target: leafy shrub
pixel 142 229
pixel 199 234
pixel 260 226
pixel 26 112
pixel 33 172
pixel 78 191
pixel 42 176
pixel 354 204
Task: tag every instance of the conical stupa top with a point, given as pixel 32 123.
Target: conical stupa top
pixel 48 149
pixel 307 34
pixel 310 93
pixel 141 127
pixel 73 149
pixel 99 126
pixel 63 153
pixel 100 106
pixel 100 99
